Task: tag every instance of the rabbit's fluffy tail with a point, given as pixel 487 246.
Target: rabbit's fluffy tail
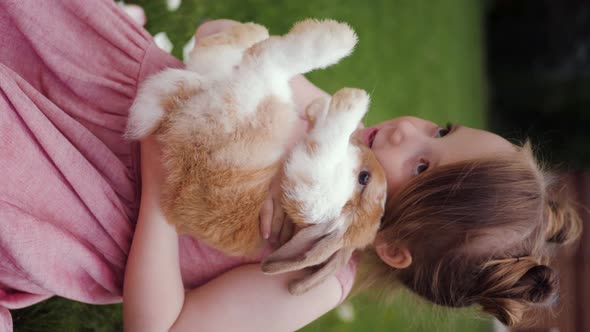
pixel 154 95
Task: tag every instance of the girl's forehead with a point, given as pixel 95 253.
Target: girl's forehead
pixel 467 144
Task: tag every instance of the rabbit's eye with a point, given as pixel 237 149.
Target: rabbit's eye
pixel 364 178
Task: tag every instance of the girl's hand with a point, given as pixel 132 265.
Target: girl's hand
pixel 275 226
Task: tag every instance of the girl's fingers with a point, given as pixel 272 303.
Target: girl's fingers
pixel 286 231
pixel 278 220
pixel 266 217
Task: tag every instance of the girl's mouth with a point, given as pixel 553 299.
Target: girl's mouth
pixel 370 136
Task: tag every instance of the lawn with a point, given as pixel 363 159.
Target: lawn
pixel 415 57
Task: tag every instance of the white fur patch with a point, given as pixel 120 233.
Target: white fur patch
pixel 326 174
pixel 146 111
pixel 332 182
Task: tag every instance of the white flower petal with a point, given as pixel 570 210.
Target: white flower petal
pixel 135 12
pixel 188 47
pixel 163 42
pixel 499 327
pixel 345 312
pixel 173 4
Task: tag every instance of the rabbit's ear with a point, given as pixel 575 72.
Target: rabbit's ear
pixel 337 261
pixel 310 246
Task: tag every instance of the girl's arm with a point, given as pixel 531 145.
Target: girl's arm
pixel 153 292
pixel 243 299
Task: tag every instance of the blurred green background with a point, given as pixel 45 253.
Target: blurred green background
pixel 415 57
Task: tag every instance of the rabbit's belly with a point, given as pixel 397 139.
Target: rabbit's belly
pixel 257 148
pixel 223 211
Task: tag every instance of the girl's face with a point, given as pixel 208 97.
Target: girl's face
pixel 407 146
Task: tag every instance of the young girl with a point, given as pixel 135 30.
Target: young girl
pixel 70 189
pixel 469 221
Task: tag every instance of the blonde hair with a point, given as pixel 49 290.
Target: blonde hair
pixel 478 232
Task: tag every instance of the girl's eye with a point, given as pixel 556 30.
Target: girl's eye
pixel 442 132
pixel 422 166
pixel 364 178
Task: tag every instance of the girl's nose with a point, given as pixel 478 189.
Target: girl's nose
pixel 404 130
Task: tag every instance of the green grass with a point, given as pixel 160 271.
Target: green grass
pixel 415 57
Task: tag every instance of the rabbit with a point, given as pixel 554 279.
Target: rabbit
pixel 223 124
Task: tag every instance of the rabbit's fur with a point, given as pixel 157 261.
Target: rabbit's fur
pixel 223 124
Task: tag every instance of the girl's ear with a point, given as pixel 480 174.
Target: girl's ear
pixel 395 255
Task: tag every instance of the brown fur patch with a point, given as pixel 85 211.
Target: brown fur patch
pixel 254 51
pixel 295 210
pixel 218 199
pixel 365 206
pixel 346 99
pixel 217 205
pixel 240 34
pixel 311 146
pixel 178 99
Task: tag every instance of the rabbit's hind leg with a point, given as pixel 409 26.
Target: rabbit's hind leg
pixel 216 55
pixel 161 93
pixel 268 66
pixel 309 45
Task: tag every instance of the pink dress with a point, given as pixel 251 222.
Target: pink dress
pixel 69 183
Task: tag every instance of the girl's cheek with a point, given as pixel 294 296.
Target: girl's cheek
pixel 395 177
